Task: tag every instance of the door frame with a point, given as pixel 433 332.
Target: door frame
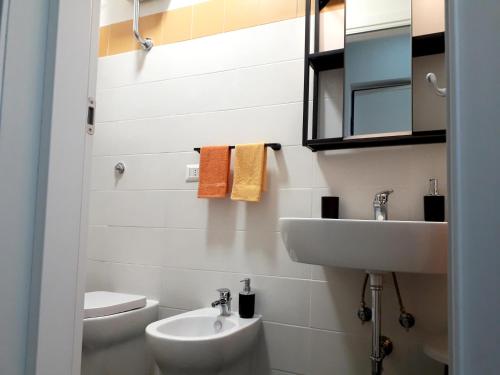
pixel 474 182
pixel 61 220
pixel 58 273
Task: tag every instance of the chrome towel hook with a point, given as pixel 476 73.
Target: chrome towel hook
pixel 432 79
pixel 146 43
pixel 120 168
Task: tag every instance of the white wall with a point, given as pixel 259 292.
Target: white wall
pixel 150 234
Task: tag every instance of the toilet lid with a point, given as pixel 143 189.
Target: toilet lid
pixel 99 304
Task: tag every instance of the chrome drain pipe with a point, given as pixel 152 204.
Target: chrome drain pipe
pixel 381 345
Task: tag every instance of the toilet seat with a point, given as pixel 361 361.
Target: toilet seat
pixel 437 349
pixel 100 304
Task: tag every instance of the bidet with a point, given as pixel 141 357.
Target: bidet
pixel 203 342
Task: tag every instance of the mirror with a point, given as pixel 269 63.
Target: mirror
pixel 377 68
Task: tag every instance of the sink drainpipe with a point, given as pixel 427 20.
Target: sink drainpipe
pixel 376 290
pixel 381 346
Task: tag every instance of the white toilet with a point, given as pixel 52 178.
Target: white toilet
pixel 114 334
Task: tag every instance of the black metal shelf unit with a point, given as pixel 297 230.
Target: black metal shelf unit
pixel 422 45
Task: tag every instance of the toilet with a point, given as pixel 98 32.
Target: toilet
pixel 437 349
pixel 114 334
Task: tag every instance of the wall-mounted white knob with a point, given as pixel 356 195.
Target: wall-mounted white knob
pixel 120 168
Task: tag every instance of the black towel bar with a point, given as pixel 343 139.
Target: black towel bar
pixel 274 146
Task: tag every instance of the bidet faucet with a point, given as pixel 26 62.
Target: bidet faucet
pixel 380 205
pixel 224 301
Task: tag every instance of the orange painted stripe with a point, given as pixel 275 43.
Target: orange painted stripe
pixel 208 18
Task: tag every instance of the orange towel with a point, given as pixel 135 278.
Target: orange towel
pixel 214 172
pixel 250 172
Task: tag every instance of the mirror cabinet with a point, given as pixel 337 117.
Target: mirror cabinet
pixel 365 72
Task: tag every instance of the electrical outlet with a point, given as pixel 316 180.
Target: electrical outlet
pixel 192 172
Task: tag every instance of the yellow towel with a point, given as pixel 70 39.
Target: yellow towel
pixel 250 172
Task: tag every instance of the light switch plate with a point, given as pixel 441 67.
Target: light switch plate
pixel 192 173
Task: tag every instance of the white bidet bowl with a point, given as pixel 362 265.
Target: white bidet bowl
pixel 202 342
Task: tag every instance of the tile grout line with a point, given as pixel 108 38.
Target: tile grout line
pixel 243 67
pixel 164 267
pixel 164 117
pixel 184 152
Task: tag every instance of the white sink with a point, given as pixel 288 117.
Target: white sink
pixel 387 246
pixel 201 342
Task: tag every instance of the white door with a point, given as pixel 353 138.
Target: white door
pixel 64 236
pixel 47 74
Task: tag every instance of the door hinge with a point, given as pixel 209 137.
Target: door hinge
pixel 91 116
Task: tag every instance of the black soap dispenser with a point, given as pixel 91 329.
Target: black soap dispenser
pixel 246 301
pixel 433 203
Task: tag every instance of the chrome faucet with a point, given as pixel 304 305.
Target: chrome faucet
pixel 380 205
pixel 224 301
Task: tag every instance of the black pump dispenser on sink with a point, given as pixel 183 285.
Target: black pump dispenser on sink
pixel 247 301
pixel 434 203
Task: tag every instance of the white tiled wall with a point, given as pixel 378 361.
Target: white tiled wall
pixel 149 233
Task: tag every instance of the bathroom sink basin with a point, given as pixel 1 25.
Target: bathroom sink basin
pixel 201 341
pixel 386 246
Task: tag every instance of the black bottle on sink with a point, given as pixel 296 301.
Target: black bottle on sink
pixel 247 301
pixel 433 203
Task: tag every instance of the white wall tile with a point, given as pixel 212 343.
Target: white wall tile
pixel 290 168
pixel 278 123
pixel 277 300
pixel 143 172
pixel 136 279
pixel 334 303
pixel 264 85
pixel 144 246
pixel 216 250
pixel 182 209
pixel 275 204
pixel 227 51
pixel 356 175
pixel 165 312
pixel 231 251
pixel 339 353
pixel 97 276
pixel 287 347
pixel 136 208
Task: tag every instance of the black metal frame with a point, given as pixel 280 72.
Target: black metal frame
pixel 423 45
pixel 273 146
